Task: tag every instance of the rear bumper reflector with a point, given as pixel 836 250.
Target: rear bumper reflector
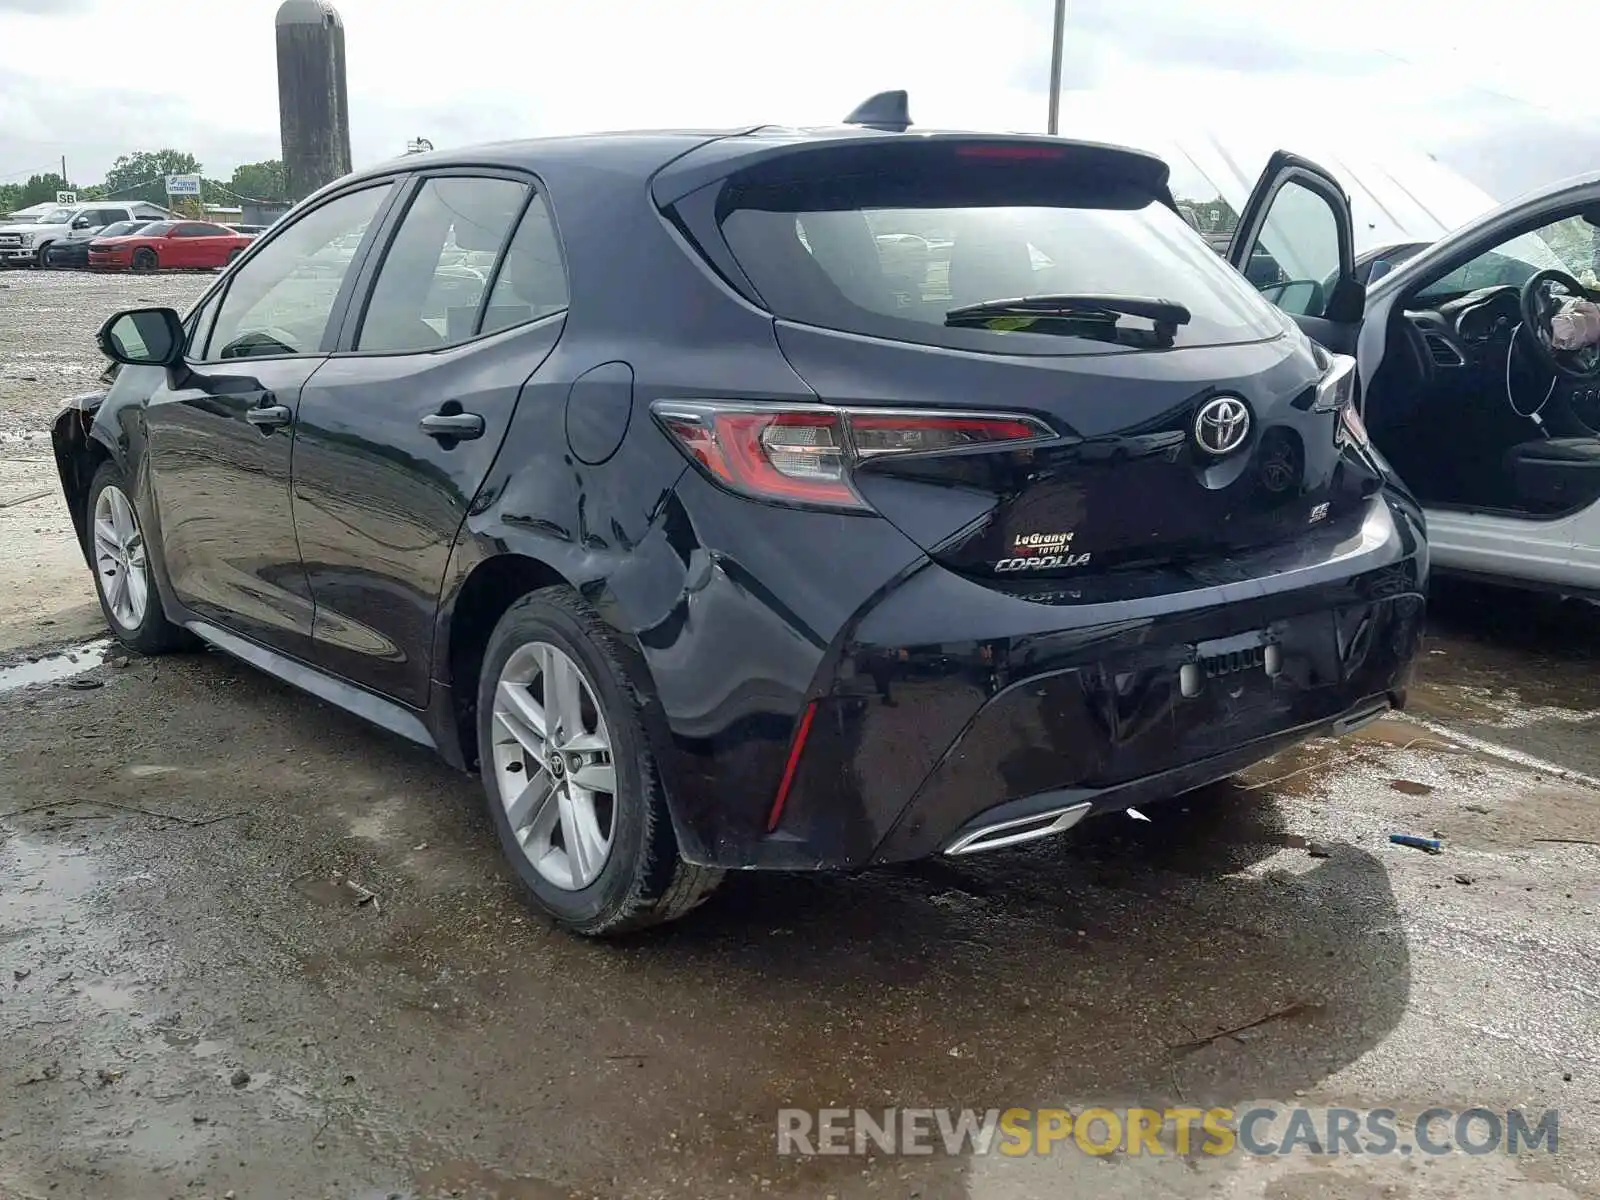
pixel 795 751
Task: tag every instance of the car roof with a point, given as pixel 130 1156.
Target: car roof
pixel 642 149
pixel 642 153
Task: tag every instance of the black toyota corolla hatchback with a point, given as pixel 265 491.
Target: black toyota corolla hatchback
pixel 792 499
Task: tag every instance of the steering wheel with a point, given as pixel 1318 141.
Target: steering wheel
pixel 1539 306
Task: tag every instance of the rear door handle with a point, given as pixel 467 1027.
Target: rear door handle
pixel 460 427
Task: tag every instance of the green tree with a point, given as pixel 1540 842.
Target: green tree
pixel 11 197
pixel 260 181
pixel 1212 216
pixel 142 174
pixel 41 189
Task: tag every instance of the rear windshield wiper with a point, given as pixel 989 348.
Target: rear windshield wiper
pixel 1103 309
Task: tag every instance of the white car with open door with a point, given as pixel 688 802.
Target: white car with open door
pixel 1464 387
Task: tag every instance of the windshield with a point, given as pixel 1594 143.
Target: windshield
pixel 121 229
pixel 1571 245
pixel 890 253
pixel 156 228
pixel 59 216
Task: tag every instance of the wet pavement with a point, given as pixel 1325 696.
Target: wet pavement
pixel 250 945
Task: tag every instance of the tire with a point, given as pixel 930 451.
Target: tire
pixel 41 257
pixel 233 256
pixel 145 260
pixel 117 552
pixel 642 879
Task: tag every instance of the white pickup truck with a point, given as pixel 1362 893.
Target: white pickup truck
pixel 25 244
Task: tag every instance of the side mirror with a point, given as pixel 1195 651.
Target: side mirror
pixel 81 223
pixel 143 337
pixel 1379 269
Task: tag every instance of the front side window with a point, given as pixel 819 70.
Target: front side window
pixel 431 286
pixel 281 300
pixel 198 326
pixel 1571 244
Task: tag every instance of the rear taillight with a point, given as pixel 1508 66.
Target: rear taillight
pixel 1352 429
pixel 1336 393
pixel 1337 387
pixel 805 454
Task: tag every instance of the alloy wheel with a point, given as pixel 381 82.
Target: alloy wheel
pixel 119 558
pixel 553 767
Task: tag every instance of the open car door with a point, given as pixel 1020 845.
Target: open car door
pixel 1296 243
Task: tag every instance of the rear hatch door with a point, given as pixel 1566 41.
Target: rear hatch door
pixel 1056 281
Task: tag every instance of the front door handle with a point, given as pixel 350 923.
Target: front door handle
pixel 460 426
pixel 268 414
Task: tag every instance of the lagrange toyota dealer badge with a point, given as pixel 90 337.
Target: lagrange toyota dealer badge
pixel 1041 552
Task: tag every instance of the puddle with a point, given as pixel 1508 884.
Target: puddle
pixel 44 887
pixel 52 668
pixel 336 893
pixel 1411 787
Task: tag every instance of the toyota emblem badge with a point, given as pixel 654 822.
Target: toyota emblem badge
pixel 1222 425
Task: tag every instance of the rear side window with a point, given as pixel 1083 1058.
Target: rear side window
pixel 532 282
pixel 890 250
pixel 436 272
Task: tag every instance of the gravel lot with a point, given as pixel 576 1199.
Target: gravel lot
pixel 194 1003
pixel 48 321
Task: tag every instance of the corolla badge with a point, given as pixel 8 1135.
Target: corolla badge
pixel 1221 425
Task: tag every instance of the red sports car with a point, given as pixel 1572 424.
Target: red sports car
pixel 165 245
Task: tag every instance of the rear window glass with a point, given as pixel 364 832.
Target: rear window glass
pixel 890 252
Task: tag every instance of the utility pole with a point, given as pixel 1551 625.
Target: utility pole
pixel 63 170
pixel 1057 46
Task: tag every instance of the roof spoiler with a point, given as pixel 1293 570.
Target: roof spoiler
pixel 890 111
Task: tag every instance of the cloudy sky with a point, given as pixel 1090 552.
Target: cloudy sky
pixel 1509 103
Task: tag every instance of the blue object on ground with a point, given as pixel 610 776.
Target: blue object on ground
pixel 1431 845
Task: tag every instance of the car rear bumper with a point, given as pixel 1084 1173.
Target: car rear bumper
pixel 951 716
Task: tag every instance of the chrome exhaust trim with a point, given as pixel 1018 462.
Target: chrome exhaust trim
pixel 1019 829
pixel 1360 721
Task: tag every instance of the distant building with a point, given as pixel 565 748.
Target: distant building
pixel 262 212
pixel 34 210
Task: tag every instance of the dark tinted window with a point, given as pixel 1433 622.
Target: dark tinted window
pixel 280 301
pixel 121 229
pixel 532 282
pixel 437 268
pixel 194 229
pixel 887 248
pixel 156 229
